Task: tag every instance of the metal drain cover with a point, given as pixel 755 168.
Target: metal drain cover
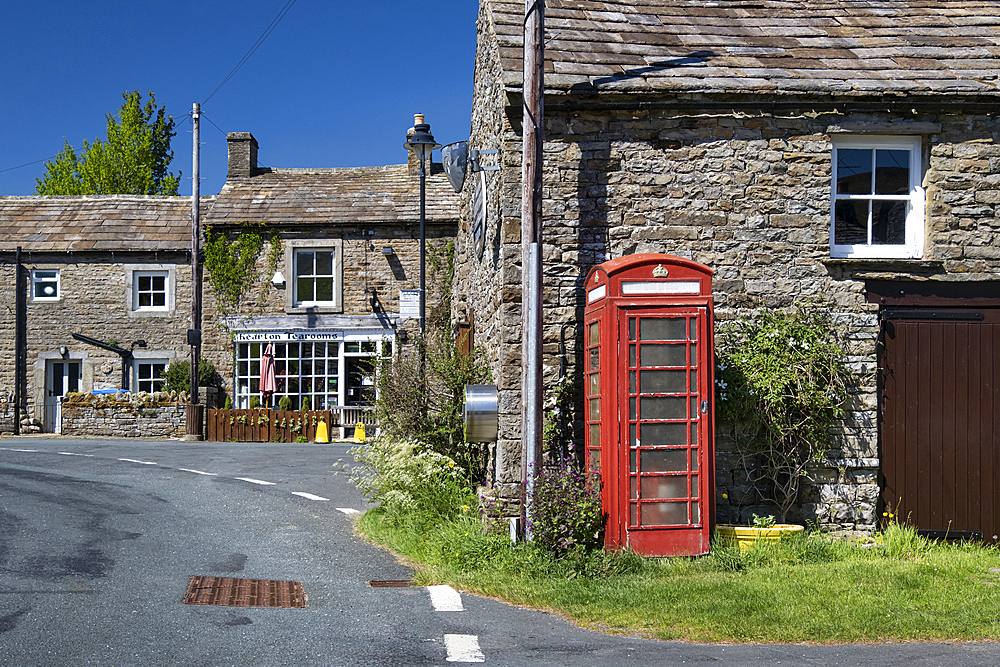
pixel 390 583
pixel 230 592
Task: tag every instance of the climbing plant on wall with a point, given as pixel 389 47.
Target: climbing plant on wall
pixel 231 260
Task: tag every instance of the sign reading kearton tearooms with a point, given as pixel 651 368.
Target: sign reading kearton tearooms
pixel 286 336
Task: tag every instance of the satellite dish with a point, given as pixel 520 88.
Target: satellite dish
pixel 455 156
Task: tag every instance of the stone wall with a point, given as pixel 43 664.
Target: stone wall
pixel 125 415
pixel 747 194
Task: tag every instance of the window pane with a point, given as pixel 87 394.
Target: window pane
pixel 159 299
pixel 663 328
pixel 304 289
pixel 664 434
pixel 889 222
pixel 664 460
pixel 660 514
pixel 664 487
pixel 663 355
pixel 145 300
pixel 145 283
pixel 595 460
pixel 324 289
pixel 158 283
pixel 595 384
pixel 595 410
pixel 304 263
pixel 594 331
pixel 892 172
pixel 662 382
pixel 324 263
pixel 850 223
pixel 663 408
pixel 854 171
pixel 595 359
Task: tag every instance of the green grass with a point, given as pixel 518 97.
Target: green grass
pixel 809 589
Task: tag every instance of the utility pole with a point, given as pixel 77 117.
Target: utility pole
pixel 194 413
pixel 533 92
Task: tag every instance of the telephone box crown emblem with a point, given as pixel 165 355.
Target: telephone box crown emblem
pixel 660 272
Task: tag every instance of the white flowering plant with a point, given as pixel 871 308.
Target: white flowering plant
pixel 781 382
pixel 406 476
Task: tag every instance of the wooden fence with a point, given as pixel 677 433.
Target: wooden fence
pixel 266 425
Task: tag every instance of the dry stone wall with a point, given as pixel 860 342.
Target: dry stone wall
pixel 140 415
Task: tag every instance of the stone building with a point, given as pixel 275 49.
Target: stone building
pixel 114 269
pixel 839 153
pixel 340 250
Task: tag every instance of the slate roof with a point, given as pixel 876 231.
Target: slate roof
pixel 97 223
pixel 855 48
pixel 348 195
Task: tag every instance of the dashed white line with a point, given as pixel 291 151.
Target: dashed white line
pixel 145 463
pixel 199 472
pixel 308 496
pixel 23 450
pixel 445 598
pixel 75 454
pixel 463 648
pixel 255 481
pixel 349 511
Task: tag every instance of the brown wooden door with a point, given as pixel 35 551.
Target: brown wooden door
pixel 940 419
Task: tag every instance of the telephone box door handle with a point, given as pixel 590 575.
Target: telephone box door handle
pixel 704 407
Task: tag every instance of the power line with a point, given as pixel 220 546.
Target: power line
pixel 28 164
pixel 253 49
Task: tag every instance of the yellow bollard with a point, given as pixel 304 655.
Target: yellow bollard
pixel 321 434
pixel 359 432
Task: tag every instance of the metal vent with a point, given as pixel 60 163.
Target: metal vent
pixel 230 592
pixel 390 583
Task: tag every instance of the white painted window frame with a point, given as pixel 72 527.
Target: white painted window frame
pixel 336 305
pixel 38 280
pixel 913 248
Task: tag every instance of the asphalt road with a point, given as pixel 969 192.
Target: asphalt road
pixel 99 538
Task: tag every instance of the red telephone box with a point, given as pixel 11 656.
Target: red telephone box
pixel 649 363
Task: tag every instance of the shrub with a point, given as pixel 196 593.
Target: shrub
pixel 407 476
pixel 780 383
pixel 566 513
pixel 305 403
pixel 177 376
pixel 285 403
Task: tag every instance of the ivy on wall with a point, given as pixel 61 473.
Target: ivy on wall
pixel 231 260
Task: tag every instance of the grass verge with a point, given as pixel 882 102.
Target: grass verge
pixel 901 587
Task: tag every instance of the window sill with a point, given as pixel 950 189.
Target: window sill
pixel 150 313
pixel 305 310
pixel 868 268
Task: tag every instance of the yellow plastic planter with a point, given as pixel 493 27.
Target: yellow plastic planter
pixel 745 536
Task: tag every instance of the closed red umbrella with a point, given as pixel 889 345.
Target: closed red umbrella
pixel 268 382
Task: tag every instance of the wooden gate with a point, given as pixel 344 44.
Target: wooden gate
pixel 940 419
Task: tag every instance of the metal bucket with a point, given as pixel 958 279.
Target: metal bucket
pixel 481 413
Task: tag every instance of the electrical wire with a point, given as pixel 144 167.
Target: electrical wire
pixel 253 49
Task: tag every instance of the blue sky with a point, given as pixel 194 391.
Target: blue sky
pixel 335 84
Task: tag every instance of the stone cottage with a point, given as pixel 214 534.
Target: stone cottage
pixel 338 271
pixel 111 269
pixel 839 153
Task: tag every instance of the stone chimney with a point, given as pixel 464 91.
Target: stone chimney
pixel 412 164
pixel 242 155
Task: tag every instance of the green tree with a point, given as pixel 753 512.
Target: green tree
pixel 132 160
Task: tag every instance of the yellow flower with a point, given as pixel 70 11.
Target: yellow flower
pixel 725 496
pixel 451 464
pixel 885 514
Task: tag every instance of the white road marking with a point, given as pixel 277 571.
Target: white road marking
pixel 75 454
pixel 349 511
pixel 145 463
pixel 22 450
pixel 308 496
pixel 198 472
pixel 445 598
pixel 463 648
pixel 256 481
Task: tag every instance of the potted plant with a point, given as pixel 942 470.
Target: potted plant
pixel 762 529
pixel 781 382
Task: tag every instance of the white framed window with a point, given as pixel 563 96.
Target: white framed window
pixel 151 290
pixel 877 201
pixel 148 374
pixel 45 285
pixel 315 270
